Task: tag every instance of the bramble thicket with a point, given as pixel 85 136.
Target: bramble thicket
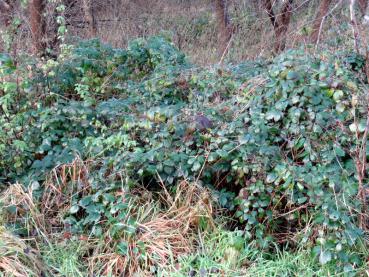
pixel 278 153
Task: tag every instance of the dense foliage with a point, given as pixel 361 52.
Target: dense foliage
pixel 276 140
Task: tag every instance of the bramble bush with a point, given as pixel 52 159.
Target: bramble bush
pixel 276 140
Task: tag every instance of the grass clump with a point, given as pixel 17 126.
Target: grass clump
pixel 65 258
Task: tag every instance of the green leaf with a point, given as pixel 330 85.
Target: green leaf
pixel 92 217
pixel 340 107
pixel 274 115
pixel 222 153
pixel 238 242
pixel 122 248
pixel 84 202
pixel 196 166
pixel 74 209
pixel 339 151
pixel 325 257
pixel 292 75
pixel 338 95
pixel 302 200
pixel 97 231
pixel 35 185
pixel 271 177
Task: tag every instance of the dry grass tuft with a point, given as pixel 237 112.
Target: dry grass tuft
pixel 47 218
pixel 171 232
pixel 18 259
pixel 167 224
pixel 24 210
pixel 167 230
pixel 62 183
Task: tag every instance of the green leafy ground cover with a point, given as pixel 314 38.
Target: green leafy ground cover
pixel 273 142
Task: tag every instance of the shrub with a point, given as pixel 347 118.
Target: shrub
pixel 277 139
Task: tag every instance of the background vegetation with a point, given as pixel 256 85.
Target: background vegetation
pixel 184 138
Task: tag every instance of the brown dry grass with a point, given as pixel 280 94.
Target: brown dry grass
pixel 16 196
pixel 62 183
pixel 167 229
pixel 167 224
pixel 17 258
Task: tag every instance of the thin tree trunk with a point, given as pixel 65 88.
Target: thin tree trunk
pixel 283 22
pixel 367 65
pixel 319 20
pixel 224 30
pixel 280 23
pixel 5 18
pixel 5 12
pixel 268 6
pixel 4 6
pixel 90 18
pixel 36 8
pixel 355 30
pixel 363 5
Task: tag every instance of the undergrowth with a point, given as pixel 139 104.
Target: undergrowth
pixel 134 155
pixel 199 245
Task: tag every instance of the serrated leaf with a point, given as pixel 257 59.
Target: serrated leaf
pixel 325 257
pixel 292 75
pixel 340 107
pixel 196 166
pixel 74 209
pixel 274 115
pixel 337 95
pixel 339 151
pixel 271 177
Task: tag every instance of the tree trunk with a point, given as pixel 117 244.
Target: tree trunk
pixel 36 8
pixel 363 5
pixel 5 12
pixel 4 6
pixel 354 25
pixel 364 9
pixel 5 19
pixel 280 23
pixel 268 6
pixel 224 30
pixel 90 18
pixel 367 65
pixel 283 22
pixel 319 20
